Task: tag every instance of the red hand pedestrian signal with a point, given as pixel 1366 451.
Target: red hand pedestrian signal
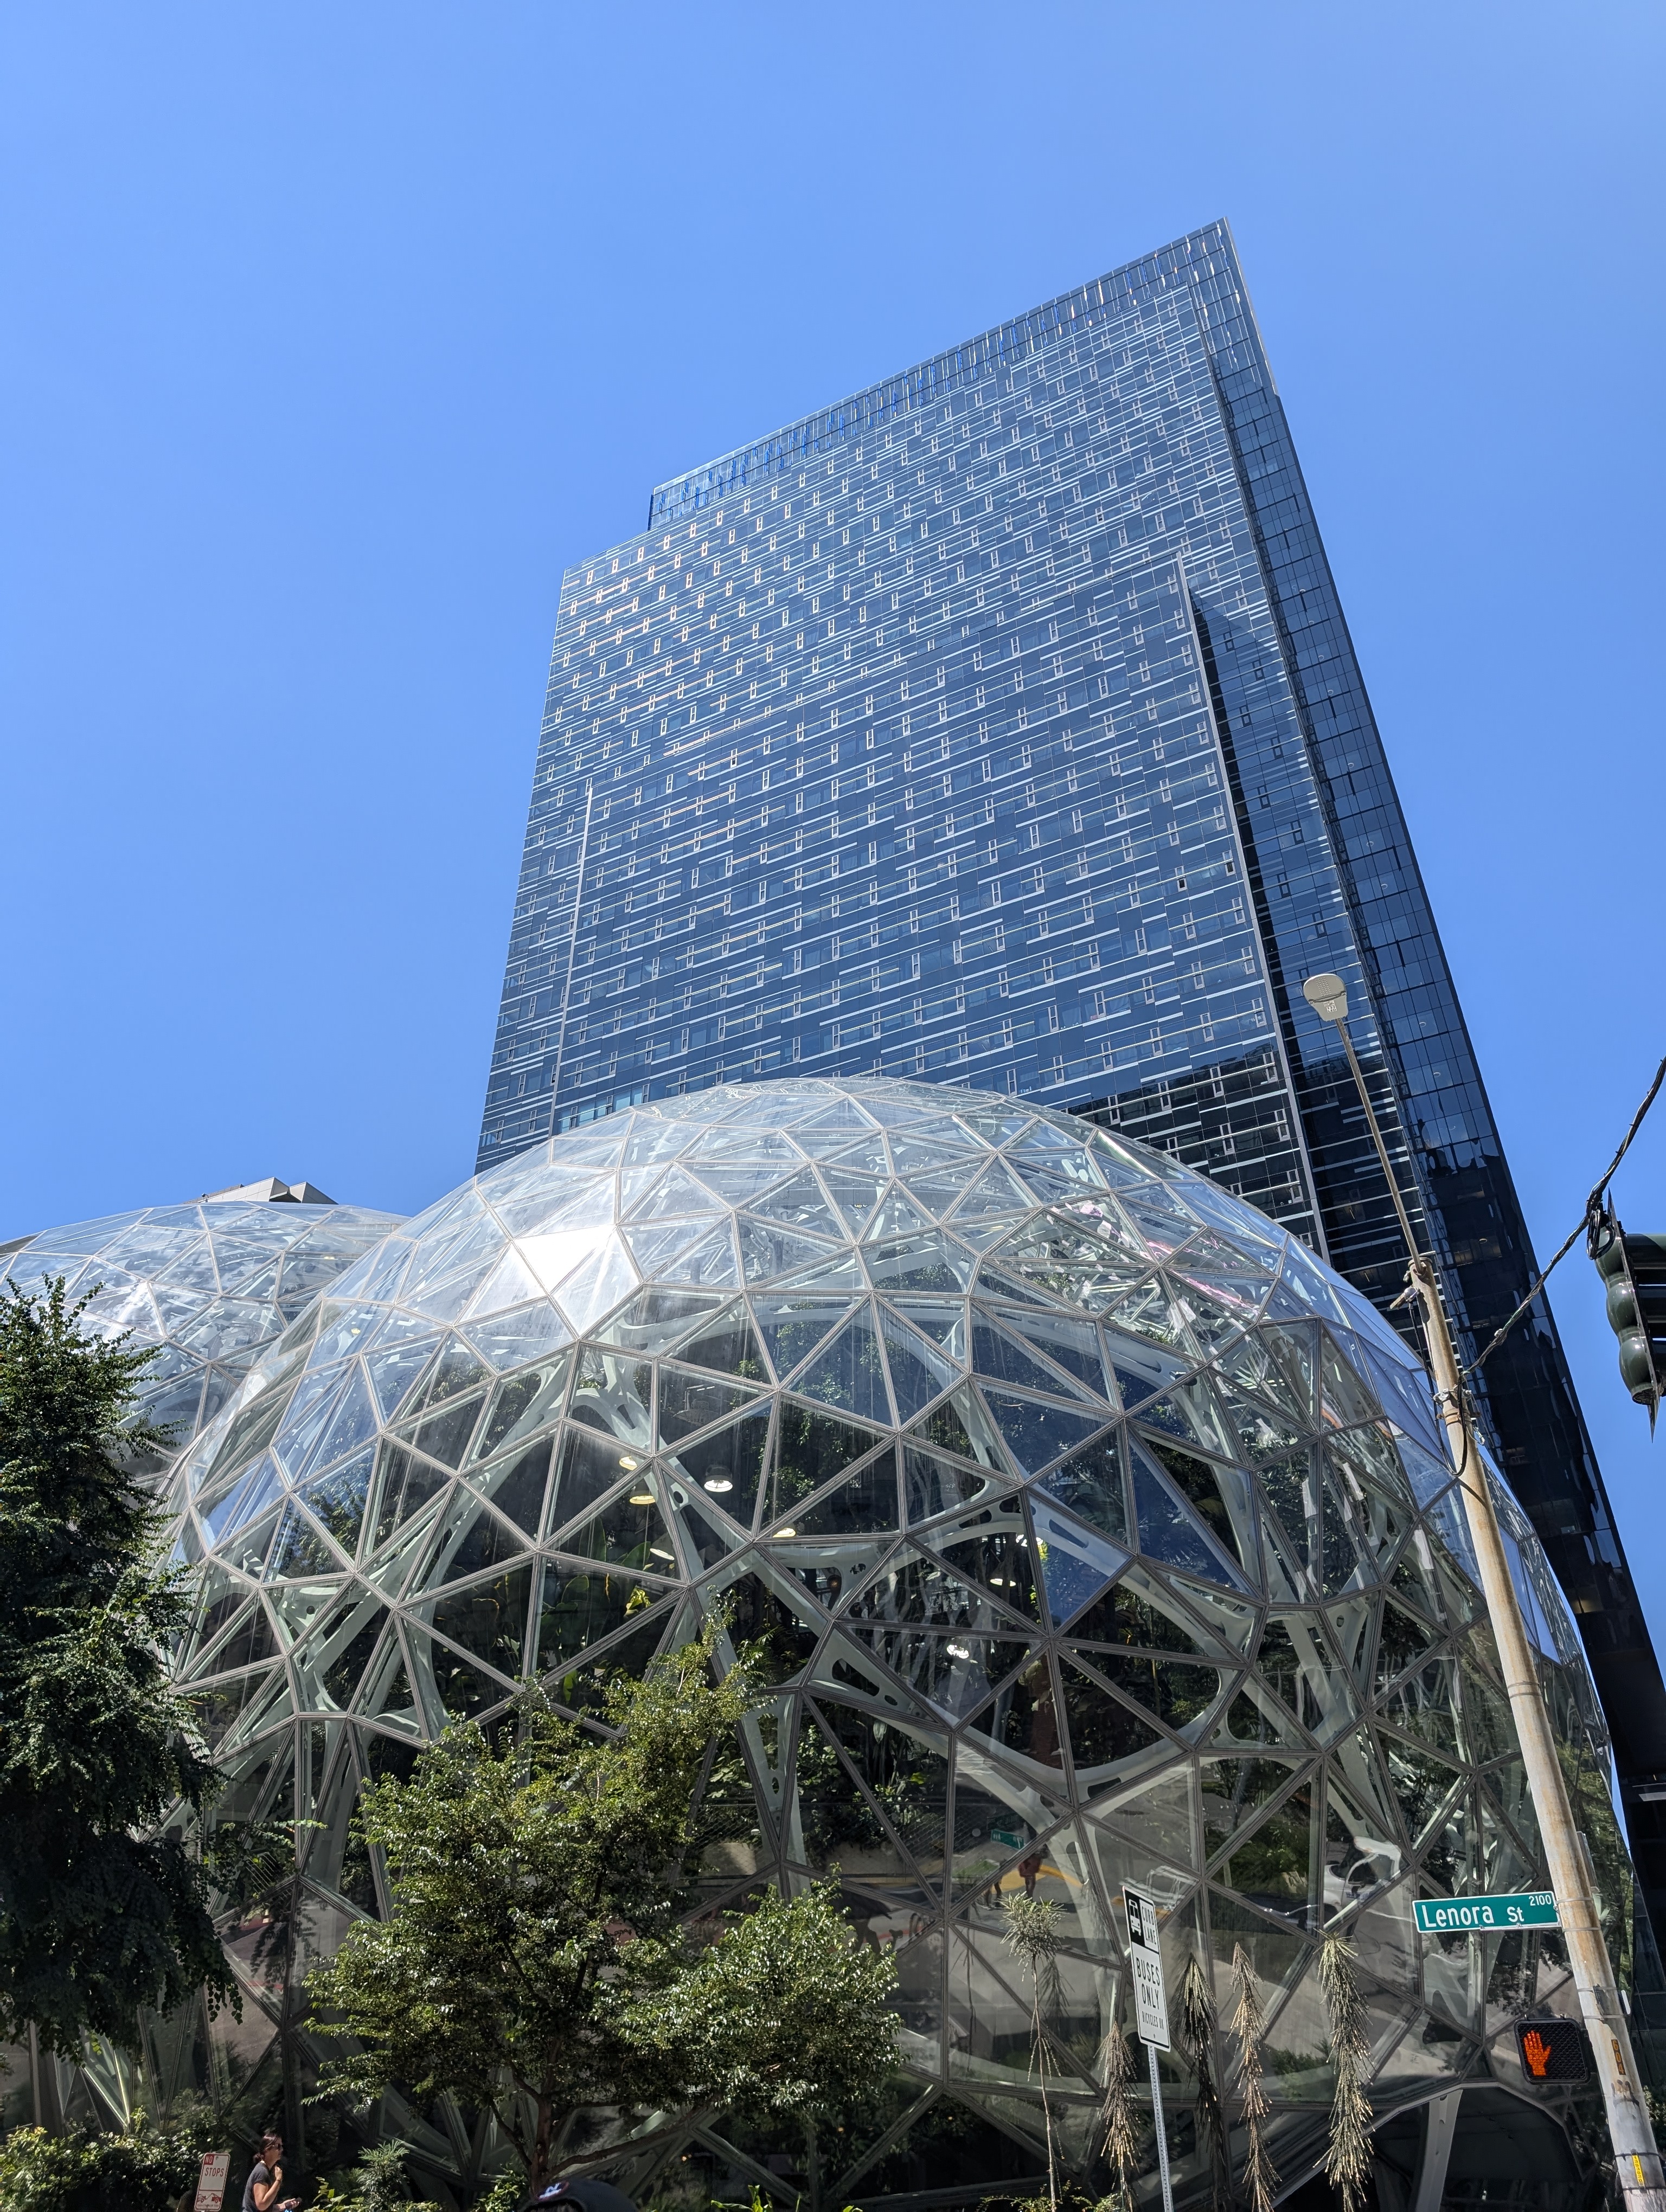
pixel 1552 2049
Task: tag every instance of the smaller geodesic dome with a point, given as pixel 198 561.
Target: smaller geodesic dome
pixel 209 1283
pixel 1092 1532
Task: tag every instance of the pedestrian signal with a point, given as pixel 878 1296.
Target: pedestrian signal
pixel 1552 2049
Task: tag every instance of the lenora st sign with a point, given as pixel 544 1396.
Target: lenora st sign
pixel 1450 1916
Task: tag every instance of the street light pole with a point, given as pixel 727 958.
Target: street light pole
pixel 1636 2161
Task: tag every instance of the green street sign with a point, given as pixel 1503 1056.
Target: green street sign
pixel 1456 1915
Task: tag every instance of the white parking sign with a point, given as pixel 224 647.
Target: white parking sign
pixel 1151 1998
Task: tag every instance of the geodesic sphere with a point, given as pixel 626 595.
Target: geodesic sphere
pixel 1090 1528
pixel 209 1283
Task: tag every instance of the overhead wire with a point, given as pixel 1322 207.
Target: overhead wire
pixel 1586 1222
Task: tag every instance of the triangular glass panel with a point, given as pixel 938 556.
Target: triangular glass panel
pixel 1089 1484
pixel 943 1320
pixel 657 1247
pixel 767 1251
pixel 863 1503
pixel 457 1369
pixel 1025 1719
pixel 1075 1565
pixel 1035 1433
pixel 1348 1402
pixel 708 1263
pixel 488 1621
pixel 511 1339
pixel 792 1328
pixel 386 1693
pixel 728 1464
pixel 589 1468
pixel 998 1559
pixel 523 1405
pixel 953 1670
pixel 406 1484
pixel 898 1216
pixel 848 1372
pixel 1167 1531
pixel 1162 1224
pixel 1074 1345
pixel 1141 1372
pixel 1004 1361
pixel 918 1374
pixel 300 1549
pixel 1255 1716
pixel 931 1486
pixel 707 1534
pixel 603 1282
pixel 689 1402
pixel 728 1343
pixel 625 1533
pixel 1180 1692
pixel 996 1193
pixel 1147 1310
pixel 469 1540
pixel 813 1446
pixel 444 1436
pixel 516 1485
pixel 918 1263
pixel 855 1191
pixel 937 1189
pixel 511 1282
pixel 655 1321
pixel 337 1499
pixel 354 1419
pixel 1219 1496
pixel 959 1423
pixel 1422 1783
pixel 578 1610
pixel 800 1203
pixel 783 1643
pixel 674 1195
pixel 1139 1611
pixel 394 1371
pixel 916 1587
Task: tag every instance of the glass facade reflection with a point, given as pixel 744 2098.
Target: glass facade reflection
pixel 1000 726
pixel 1092 1531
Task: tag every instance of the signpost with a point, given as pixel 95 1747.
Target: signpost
pixel 1151 2007
pixel 211 2184
pixel 1457 1915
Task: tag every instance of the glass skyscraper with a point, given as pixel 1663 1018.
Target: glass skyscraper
pixel 1000 726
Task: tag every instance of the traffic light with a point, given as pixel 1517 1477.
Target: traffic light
pixel 1552 2049
pixel 1633 1270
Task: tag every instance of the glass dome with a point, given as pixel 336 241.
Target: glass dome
pixel 1093 1530
pixel 210 1284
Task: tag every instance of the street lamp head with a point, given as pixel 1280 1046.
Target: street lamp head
pixel 1328 995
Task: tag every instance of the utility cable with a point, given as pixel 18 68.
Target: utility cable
pixel 1586 1222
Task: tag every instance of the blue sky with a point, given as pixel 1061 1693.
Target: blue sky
pixel 331 334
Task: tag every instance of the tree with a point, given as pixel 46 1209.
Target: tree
pixel 533 1958
pixel 101 1914
pixel 1348 2157
pixel 786 2018
pixel 1035 1940
pixel 1250 2025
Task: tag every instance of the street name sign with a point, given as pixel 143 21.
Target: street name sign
pixel 1457 1915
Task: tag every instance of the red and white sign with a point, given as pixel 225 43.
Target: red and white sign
pixel 211 2184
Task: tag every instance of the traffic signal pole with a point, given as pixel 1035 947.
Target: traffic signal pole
pixel 1637 2162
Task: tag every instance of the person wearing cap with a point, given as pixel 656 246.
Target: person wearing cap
pixel 584 2193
